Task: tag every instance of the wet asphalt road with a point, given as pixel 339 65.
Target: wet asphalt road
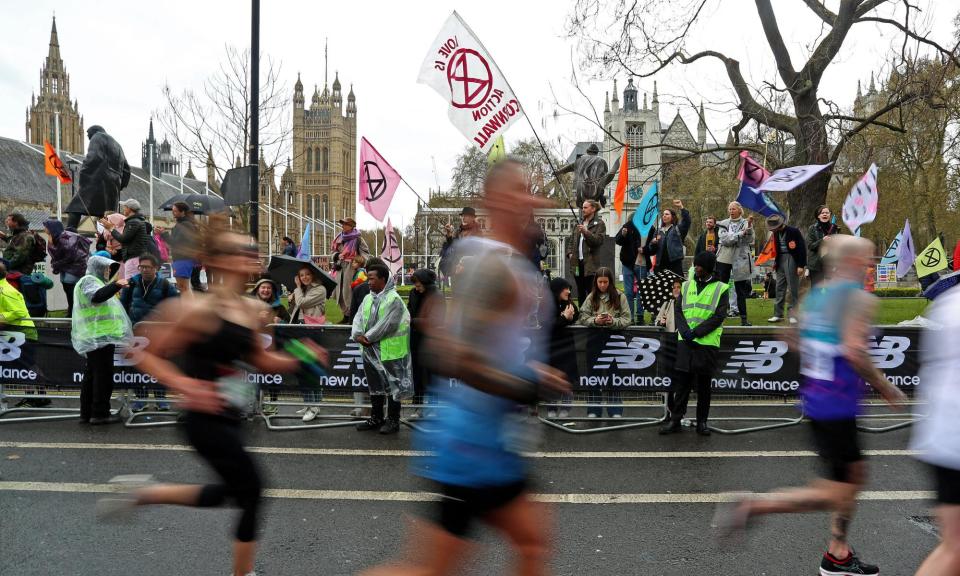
pixel 50 527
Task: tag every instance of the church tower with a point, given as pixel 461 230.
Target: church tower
pixel 54 100
pixel 324 168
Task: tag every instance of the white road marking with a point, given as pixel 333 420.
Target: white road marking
pixel 398 496
pixel 414 453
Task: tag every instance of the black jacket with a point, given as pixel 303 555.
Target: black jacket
pixel 630 242
pixel 103 174
pixel 182 239
pixel 795 245
pixel 134 237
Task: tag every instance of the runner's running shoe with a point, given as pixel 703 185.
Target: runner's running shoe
pixel 852 566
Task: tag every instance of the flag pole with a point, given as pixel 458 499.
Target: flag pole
pixel 56 121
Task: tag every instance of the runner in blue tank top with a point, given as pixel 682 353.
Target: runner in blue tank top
pixel 476 460
pixel 835 364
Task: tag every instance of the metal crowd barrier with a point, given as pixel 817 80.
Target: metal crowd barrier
pixel 52 392
pixel 638 399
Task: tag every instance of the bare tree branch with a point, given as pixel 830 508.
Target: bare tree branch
pixel 780 53
pixel 822 11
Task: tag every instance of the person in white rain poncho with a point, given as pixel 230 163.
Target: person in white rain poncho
pixel 382 327
pixel 100 324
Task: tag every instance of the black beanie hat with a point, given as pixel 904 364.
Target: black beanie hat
pixel 705 260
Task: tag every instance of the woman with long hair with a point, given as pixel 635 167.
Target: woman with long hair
pixel 218 337
pixel 605 308
pixel 819 230
pixel 666 246
pixel 560 312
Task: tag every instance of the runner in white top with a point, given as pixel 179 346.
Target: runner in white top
pixel 937 436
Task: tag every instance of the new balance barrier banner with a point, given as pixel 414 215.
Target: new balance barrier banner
pixel 640 359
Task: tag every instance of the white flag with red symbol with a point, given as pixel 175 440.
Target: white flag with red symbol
pixel 459 68
pixel 391 253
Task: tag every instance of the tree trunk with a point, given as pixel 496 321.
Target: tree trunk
pixel 812 148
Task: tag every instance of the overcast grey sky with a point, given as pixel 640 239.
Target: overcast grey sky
pixel 120 53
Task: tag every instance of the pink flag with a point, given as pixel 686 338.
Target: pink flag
pixel 377 183
pixel 391 253
pixel 751 173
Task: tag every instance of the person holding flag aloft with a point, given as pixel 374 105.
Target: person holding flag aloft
pixel 789 261
pixel 346 246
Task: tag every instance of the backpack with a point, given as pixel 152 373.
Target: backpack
pixel 38 253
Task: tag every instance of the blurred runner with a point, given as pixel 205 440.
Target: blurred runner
pixel 476 461
pixel 834 328
pixel 218 336
pixel 937 437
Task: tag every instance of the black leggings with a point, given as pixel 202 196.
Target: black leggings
pixel 217 440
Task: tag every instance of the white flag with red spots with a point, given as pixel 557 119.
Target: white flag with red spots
pixel 481 103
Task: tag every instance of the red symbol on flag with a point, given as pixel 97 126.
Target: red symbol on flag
pixel 466 90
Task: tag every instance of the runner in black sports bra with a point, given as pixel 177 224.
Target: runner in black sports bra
pixel 217 335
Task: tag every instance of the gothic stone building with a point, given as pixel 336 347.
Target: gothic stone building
pixel 164 162
pixel 54 100
pixel 323 181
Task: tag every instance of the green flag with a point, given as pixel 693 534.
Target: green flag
pixel 931 259
pixel 497 152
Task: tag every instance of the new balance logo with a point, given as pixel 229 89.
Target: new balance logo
pixel 10 343
pixel 349 357
pixel 765 358
pixel 888 352
pixel 632 354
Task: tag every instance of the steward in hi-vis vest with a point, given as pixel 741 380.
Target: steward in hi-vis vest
pixel 100 324
pixel 382 327
pixel 699 316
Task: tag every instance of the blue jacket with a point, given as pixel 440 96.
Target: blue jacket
pixel 139 305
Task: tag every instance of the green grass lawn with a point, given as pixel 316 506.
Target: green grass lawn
pixel 891 310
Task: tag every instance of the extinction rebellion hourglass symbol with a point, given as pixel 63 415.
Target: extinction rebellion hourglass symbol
pixel 931 258
pixel 469 78
pixel 376 181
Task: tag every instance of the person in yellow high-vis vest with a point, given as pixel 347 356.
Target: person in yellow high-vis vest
pixel 382 327
pixel 699 317
pixel 100 324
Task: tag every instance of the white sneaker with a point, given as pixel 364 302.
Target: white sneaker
pixel 356 413
pixel 309 414
pixel 793 320
pixel 551 413
pixel 302 410
pixel 618 415
pixel 591 415
pixel 415 415
pixel 119 507
pixel 774 319
pixel 564 413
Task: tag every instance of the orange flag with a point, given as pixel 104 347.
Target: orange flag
pixel 766 254
pixel 53 165
pixel 621 184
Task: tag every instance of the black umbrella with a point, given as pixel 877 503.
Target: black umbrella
pixel 198 203
pixel 283 269
pixel 656 289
